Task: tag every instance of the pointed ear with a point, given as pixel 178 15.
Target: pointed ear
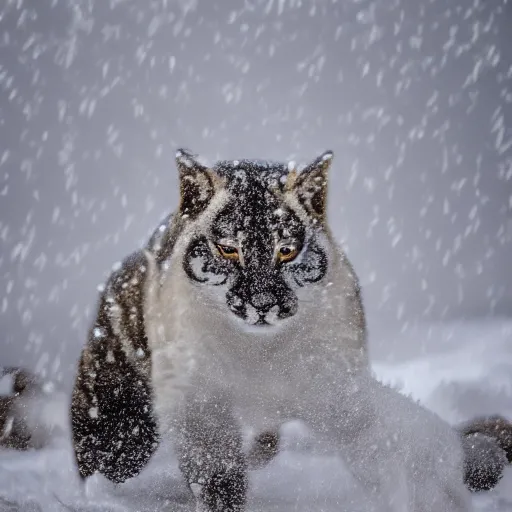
pixel 197 183
pixel 310 186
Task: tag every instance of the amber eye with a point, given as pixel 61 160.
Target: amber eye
pixel 228 252
pixel 287 253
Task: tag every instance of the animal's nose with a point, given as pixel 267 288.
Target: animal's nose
pixel 263 301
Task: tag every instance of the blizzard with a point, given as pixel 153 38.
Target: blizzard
pixel 457 369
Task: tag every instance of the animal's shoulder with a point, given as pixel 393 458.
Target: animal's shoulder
pixel 118 330
pixel 128 277
pixel 121 300
pixel 162 241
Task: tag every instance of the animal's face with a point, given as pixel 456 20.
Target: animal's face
pixel 256 235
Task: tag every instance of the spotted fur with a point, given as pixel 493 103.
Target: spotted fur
pixel 113 424
pixel 257 216
pixel 143 356
pixel 211 328
pixel 487 443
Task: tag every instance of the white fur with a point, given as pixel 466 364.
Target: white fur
pixel 194 338
pixel 311 367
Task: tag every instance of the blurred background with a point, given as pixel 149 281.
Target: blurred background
pixel 413 96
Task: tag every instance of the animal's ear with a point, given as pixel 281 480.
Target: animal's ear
pixel 197 183
pixel 310 185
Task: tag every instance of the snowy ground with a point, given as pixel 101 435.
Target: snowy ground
pixel 458 370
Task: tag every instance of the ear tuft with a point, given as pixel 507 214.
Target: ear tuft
pixel 186 158
pixel 327 156
pixel 196 183
pixel 311 186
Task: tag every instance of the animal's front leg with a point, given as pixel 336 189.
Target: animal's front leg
pixel 209 447
pixel 114 430
pixel 264 448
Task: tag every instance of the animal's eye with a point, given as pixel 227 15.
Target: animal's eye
pixel 287 253
pixel 228 252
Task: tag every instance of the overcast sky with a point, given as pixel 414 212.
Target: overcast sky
pixel 414 98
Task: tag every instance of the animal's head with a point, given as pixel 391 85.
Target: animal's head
pixel 256 235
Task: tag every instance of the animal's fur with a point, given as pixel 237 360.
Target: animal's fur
pixel 487 444
pixel 17 427
pixel 210 328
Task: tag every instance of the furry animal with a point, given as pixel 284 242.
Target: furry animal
pixel 14 432
pixel 487 446
pixel 242 310
pixel 30 412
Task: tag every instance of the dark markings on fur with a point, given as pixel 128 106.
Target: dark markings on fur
pixel 203 267
pixel 126 293
pixel 162 241
pixel 487 444
pixel 196 184
pixel 14 432
pixel 117 434
pixel 311 186
pixel 496 427
pixel 312 268
pixel 209 448
pixel 114 430
pixel 227 491
pixel 484 462
pixel 23 380
pixel 264 448
pixel 120 441
pixel 159 241
pixel 260 215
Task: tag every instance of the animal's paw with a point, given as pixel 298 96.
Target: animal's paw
pixel 264 448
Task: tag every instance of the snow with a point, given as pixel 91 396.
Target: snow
pixel 6 382
pixel 417 106
pixel 457 369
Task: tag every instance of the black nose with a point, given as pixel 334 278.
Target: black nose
pixel 263 301
pixel 287 310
